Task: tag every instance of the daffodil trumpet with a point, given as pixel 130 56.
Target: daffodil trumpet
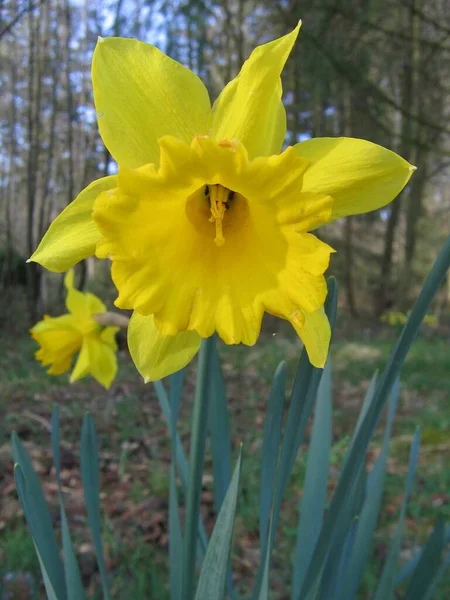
pixel 208 222
pixel 80 330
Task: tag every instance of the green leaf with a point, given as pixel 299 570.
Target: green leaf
pixel 182 464
pixel 304 392
pixel 175 390
pixel 270 450
pixel 219 430
pixel 306 384
pixel 367 401
pixel 175 541
pixel 38 518
pixel 332 533
pixel 196 459
pixel 175 535
pixel 29 508
pixel 369 515
pixel 55 441
pixel 359 448
pixel 264 592
pixel 74 584
pixel 91 488
pixel 414 321
pixel 386 584
pixel 345 558
pixel 428 565
pixel 408 568
pixel 220 440
pixel 368 398
pixel 442 569
pixel 316 481
pixel 211 585
pixel 325 587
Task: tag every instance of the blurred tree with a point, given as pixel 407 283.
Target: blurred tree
pixel 377 69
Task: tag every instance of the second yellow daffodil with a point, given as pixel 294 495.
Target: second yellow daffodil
pixel 60 338
pixel 208 222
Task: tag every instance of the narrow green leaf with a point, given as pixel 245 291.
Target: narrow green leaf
pixel 38 518
pixel 429 563
pixel 270 449
pixel 369 515
pixel 326 585
pixel 306 384
pixel 386 584
pixel 367 401
pixel 316 481
pixel 304 392
pixel 196 459
pixel 359 448
pixel 181 461
pixel 408 568
pixel 175 541
pixel 91 488
pixel 175 389
pixel 211 585
pixel 410 331
pixel 175 535
pixel 437 578
pixel 27 502
pixel 74 584
pixel 332 533
pixel 368 398
pixel 345 558
pixel 264 592
pixel 55 441
pixel 220 440
pixel 219 430
pixel 47 583
pixel 164 403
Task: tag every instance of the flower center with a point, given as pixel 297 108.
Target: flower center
pixel 219 197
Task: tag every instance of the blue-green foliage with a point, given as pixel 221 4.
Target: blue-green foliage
pixel 334 540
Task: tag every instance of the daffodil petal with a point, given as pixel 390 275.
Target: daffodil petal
pixel 249 107
pixel 103 362
pixel 59 366
pixel 51 323
pixel 358 175
pixel 141 95
pixel 81 305
pixel 72 236
pixel 108 335
pixel 82 366
pixel 156 355
pixel 315 333
pixel 98 359
pixel 59 339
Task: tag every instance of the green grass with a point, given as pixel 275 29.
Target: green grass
pixel 135 454
pixel 19 566
pixel 426 369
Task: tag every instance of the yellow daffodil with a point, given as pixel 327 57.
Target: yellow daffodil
pixel 60 338
pixel 207 223
pixel 394 318
pixel 398 318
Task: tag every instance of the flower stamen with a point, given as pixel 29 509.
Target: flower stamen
pixel 218 198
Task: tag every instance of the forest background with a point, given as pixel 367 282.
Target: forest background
pixel 375 69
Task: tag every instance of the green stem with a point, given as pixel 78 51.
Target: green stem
pixel 196 459
pixel 182 464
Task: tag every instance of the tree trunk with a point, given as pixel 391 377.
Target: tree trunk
pixel 349 264
pixel 386 291
pixel 32 158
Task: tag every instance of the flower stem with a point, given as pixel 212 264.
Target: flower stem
pixel 196 459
